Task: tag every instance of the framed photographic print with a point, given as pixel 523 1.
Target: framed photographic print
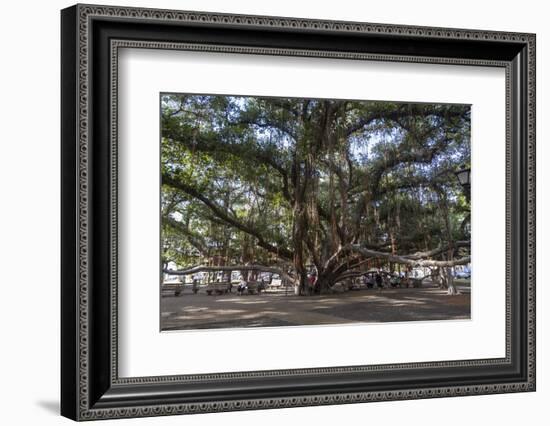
pixel 263 212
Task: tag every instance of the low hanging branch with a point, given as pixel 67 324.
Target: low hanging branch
pixel 406 260
pixel 423 255
pixel 251 267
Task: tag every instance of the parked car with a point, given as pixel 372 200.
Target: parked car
pixel 463 274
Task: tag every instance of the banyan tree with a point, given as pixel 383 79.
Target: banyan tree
pixel 288 184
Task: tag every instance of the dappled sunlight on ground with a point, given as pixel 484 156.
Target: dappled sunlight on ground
pixel 245 302
pixel 275 309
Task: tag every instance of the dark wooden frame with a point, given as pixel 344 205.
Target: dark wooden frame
pixel 90 386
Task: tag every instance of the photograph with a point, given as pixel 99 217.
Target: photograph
pixel 286 211
pixel 272 208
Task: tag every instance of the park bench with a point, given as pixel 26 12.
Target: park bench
pixel 253 287
pixel 416 282
pixel 222 287
pixel 178 288
pixel 410 282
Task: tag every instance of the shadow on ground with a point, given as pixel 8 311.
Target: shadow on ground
pixel 51 407
pixel 276 309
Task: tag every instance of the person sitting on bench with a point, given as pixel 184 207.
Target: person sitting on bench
pixel 242 286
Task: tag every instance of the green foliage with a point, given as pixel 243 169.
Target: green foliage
pixel 242 171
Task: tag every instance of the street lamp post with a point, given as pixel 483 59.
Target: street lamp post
pixel 463 176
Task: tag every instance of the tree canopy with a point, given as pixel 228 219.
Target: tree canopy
pixel 295 184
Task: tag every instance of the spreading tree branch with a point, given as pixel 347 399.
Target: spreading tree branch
pixel 407 260
pixel 222 214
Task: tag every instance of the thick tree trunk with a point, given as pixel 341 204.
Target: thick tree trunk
pixel 444 282
pixel 451 288
pixel 299 265
pixel 324 284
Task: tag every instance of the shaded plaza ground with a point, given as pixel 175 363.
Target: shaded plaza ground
pixel 275 308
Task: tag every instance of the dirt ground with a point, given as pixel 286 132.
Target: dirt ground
pixel 276 309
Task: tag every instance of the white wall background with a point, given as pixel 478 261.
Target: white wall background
pixel 29 212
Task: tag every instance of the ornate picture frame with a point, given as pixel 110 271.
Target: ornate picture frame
pixel 91 37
